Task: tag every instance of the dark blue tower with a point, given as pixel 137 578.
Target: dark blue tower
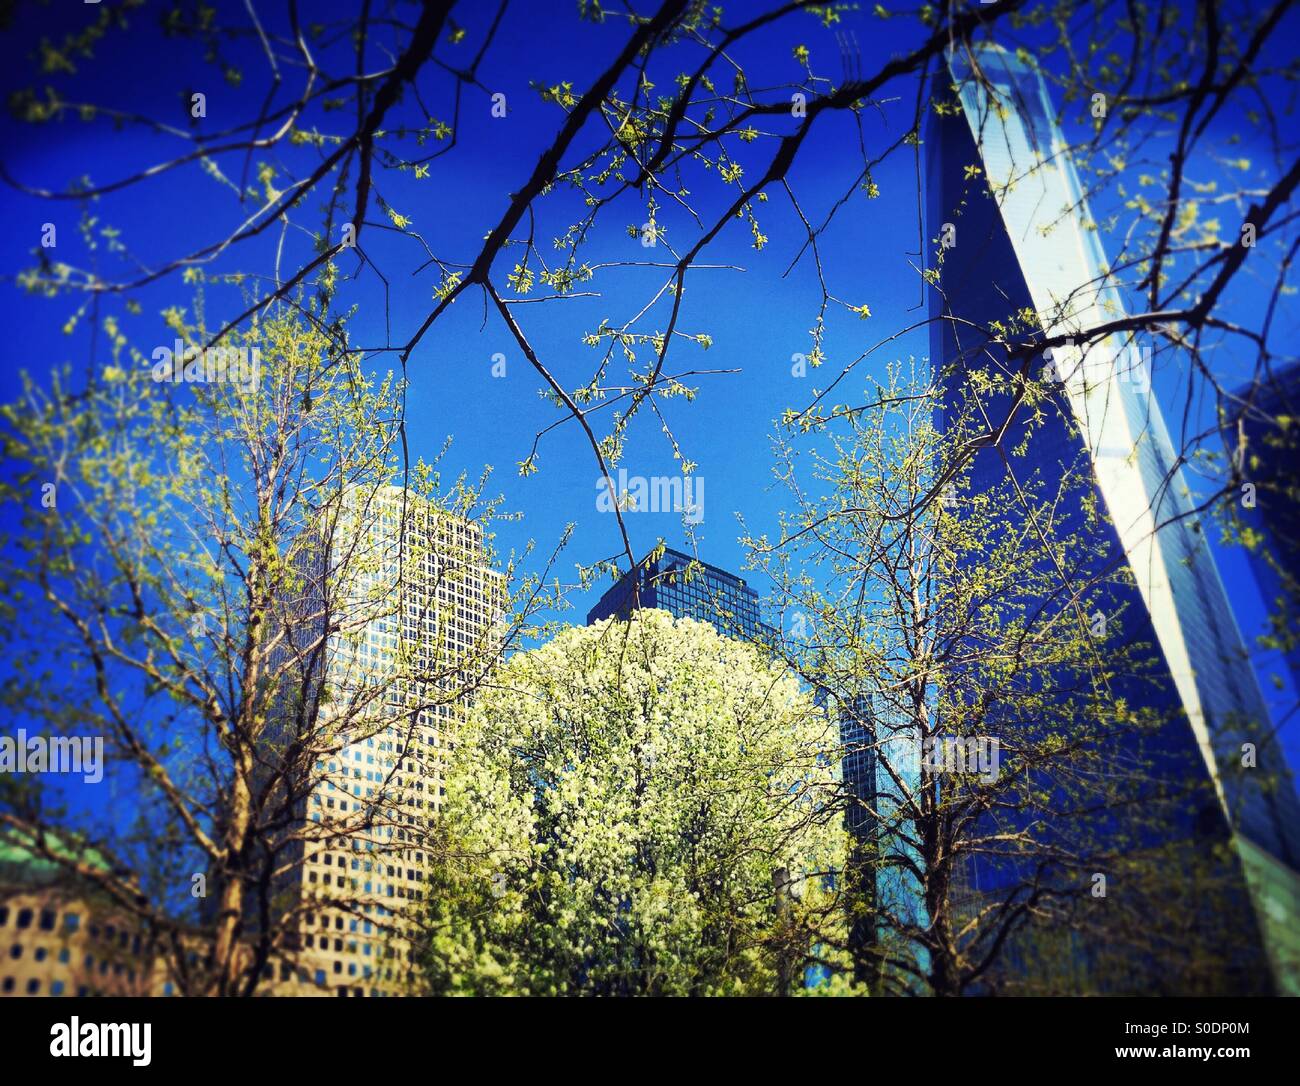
pixel 686 588
pixel 1005 204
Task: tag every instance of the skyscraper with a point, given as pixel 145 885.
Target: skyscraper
pixel 858 771
pixel 1273 470
pixel 686 588
pixel 1006 205
pixel 415 610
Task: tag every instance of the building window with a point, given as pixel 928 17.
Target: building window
pixel 48 917
pixel 24 918
pixel 56 988
pixel 72 921
pixel 33 986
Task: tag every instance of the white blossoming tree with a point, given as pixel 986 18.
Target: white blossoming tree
pixel 641 807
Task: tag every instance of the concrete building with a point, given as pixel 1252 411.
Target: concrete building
pixel 421 623
pixel 56 940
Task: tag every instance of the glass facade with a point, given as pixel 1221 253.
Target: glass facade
pixel 1273 465
pixel 1000 175
pixel 686 588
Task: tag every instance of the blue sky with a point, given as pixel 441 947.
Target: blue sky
pixel 758 320
pixel 758 317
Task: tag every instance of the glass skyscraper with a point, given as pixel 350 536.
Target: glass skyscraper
pixel 685 587
pixel 1006 206
pixel 1273 468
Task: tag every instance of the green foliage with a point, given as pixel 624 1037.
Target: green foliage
pixel 171 563
pixel 935 604
pixel 617 812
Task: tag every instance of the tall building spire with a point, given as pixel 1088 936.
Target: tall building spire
pixel 1018 244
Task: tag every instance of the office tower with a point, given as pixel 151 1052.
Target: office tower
pixel 861 874
pixel 686 588
pixel 1272 469
pixel 57 938
pixel 720 598
pixel 879 874
pixel 417 614
pixel 1005 203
